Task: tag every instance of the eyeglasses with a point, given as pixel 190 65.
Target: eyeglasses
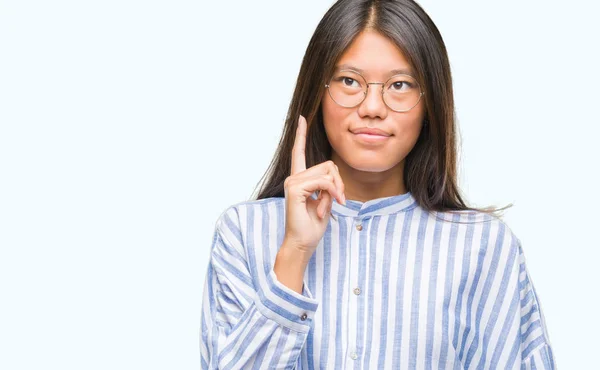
pixel 400 93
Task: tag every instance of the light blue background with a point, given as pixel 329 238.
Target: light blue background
pixel 119 150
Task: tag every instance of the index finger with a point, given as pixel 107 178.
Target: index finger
pixel 298 151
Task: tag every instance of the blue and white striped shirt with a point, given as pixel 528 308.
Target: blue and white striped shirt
pixel 390 286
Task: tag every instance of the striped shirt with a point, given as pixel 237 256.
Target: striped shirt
pixel 390 286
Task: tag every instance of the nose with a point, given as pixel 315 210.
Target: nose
pixel 373 105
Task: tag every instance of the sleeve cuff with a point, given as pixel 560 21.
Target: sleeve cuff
pixel 286 306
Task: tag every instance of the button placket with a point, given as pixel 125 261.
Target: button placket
pixel 359 227
pixel 354 260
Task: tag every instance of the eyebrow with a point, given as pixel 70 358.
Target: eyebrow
pixel 406 71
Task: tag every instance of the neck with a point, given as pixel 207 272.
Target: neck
pixel 363 186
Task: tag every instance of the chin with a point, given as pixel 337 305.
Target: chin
pixel 370 166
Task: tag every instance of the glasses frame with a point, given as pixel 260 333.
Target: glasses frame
pixel 421 92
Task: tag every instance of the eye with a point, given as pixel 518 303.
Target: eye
pixel 348 81
pixel 400 84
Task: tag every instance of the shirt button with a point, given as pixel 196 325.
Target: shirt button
pixel 303 317
pixel 359 227
pixel 357 290
pixel 353 356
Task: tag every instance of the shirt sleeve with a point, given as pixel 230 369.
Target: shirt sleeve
pixel 249 321
pixel 514 334
pixel 535 349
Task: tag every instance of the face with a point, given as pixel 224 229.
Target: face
pixel 376 56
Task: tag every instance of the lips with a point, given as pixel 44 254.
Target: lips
pixel 370 131
pixel 371 136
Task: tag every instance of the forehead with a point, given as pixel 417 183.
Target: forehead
pixel 375 56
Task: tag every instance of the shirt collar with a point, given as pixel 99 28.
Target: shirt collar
pixel 374 207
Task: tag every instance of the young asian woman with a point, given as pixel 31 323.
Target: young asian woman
pixel 359 250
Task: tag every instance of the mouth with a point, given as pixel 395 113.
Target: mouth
pixel 368 138
pixel 371 136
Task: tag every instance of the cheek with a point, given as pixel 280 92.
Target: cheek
pixel 334 120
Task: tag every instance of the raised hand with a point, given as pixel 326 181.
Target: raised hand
pixel 307 218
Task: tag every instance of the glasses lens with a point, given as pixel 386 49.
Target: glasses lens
pixel 401 92
pixel 347 88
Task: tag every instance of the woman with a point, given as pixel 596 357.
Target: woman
pixel 359 251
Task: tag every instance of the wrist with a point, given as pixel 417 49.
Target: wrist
pixel 289 268
pixel 294 253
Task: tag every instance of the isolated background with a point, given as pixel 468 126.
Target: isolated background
pixel 119 150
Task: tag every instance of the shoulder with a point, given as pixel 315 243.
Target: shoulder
pixel 472 220
pixel 239 214
pixel 486 232
pixel 237 220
